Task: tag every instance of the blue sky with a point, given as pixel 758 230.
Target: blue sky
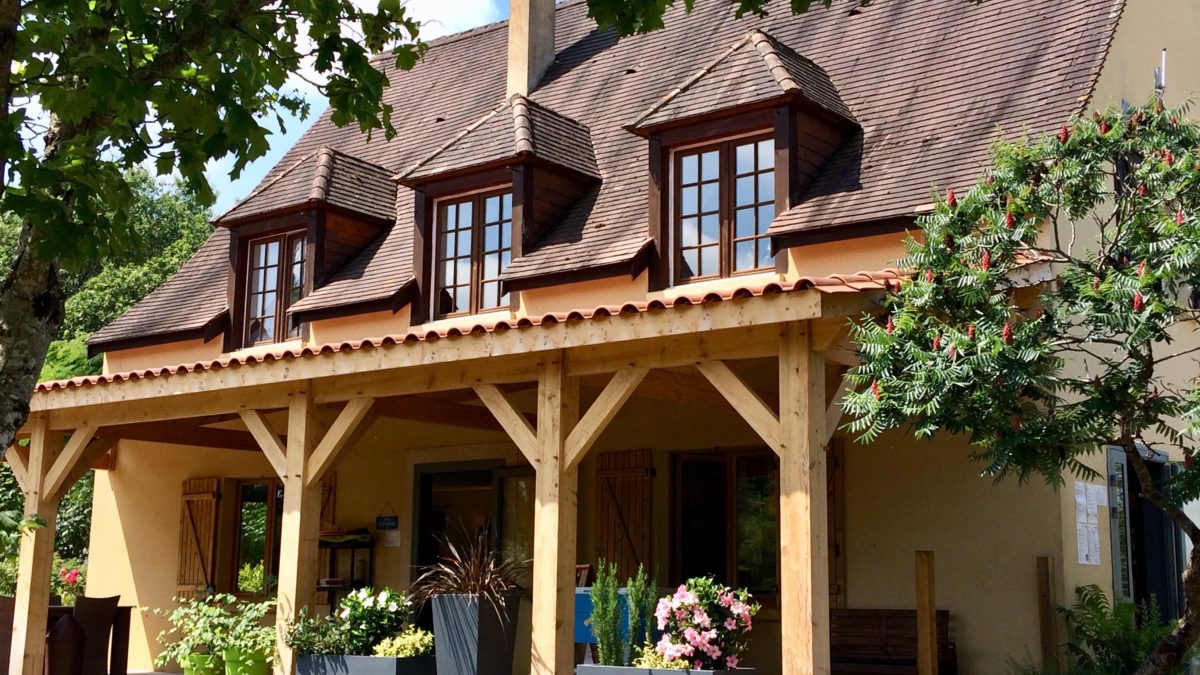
pixel 438 17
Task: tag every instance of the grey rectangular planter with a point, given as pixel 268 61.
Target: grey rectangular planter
pixel 365 665
pixel 471 638
pixel 630 670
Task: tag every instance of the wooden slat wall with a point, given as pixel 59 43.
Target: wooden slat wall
pixel 623 501
pixel 197 536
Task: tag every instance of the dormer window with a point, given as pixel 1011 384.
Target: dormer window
pixel 277 280
pixel 724 203
pixel 474 248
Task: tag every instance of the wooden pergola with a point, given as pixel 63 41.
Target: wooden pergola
pixel 801 328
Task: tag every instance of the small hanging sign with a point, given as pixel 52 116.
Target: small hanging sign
pixel 387 522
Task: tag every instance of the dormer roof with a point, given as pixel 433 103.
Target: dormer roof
pixel 516 129
pixel 756 69
pixel 322 177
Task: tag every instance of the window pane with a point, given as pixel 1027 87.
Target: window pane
pixel 491 211
pixel 691 259
pixel 745 159
pixel 491 237
pixel 689 231
pixel 708 260
pixel 505 259
pixel 491 266
pixel 462 299
pixel 273 253
pixel 252 538
pixel 745 191
pixel 464 243
pixel 766 215
pixel 688 204
pixel 743 258
pixel 744 224
pixel 765 259
pixel 506 207
pixel 490 294
pixel 710 229
pixel 464 215
pixel 766 155
pixel 757 523
pixel 710 197
pixel 688 167
pixel 766 186
pixel 709 165
pixel 506 235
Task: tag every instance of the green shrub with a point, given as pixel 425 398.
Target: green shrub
pixel 1113 638
pixel 648 658
pixel 248 630
pixel 315 636
pixel 606 616
pixel 198 626
pixel 363 620
pixel 412 642
pixel 251 578
pixel 641 597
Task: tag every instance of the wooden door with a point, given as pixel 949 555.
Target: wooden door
pixel 197 537
pixel 623 501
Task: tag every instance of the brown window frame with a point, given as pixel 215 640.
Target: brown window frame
pixel 727 207
pixel 730 459
pixel 282 331
pixel 271 541
pixel 478 201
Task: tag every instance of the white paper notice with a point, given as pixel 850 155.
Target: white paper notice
pixel 1088 501
pixel 392 538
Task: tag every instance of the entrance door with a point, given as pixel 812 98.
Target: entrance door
pixel 454 502
pixel 1146 545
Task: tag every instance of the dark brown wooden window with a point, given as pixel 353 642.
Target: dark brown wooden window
pixel 259 518
pixel 277 280
pixel 724 202
pixel 474 247
pixel 726 518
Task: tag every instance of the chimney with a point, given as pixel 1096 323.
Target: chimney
pixel 530 43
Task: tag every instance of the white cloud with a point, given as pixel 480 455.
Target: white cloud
pixel 442 17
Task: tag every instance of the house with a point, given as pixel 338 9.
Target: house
pixel 595 294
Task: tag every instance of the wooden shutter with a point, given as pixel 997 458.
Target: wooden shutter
pixel 197 537
pixel 623 523
pixel 836 505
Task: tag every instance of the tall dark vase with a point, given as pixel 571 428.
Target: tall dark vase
pixel 471 637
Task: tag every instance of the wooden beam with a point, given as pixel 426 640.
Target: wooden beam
pixel 336 439
pixel 927 663
pixel 28 652
pixel 177 433
pixel 745 401
pixel 64 465
pixel 828 333
pixel 300 527
pixel 833 414
pixel 602 411
pixel 17 457
pixel 555 522
pixel 99 449
pixel 803 508
pixel 514 422
pixel 268 441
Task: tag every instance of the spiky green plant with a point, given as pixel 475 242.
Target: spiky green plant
pixel 641 597
pixel 606 616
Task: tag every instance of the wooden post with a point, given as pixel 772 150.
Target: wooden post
pixel 1046 613
pixel 301 522
pixel 554 528
pixel 927 662
pixel 804 543
pixel 37 552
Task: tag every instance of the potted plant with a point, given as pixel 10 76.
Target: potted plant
pixel 705 629
pixel 194 638
pixel 620 618
pixel 366 636
pixel 475 600
pixel 248 643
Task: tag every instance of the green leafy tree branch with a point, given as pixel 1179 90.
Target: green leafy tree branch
pixel 1040 377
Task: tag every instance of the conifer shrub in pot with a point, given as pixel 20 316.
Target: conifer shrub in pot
pixel 475 598
pixel 368 634
pixel 194 639
pixel 705 630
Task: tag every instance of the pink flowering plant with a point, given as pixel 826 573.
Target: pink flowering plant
pixel 705 625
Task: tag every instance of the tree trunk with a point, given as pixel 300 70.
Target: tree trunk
pixel 31 312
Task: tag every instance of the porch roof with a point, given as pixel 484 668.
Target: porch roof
pixel 878 280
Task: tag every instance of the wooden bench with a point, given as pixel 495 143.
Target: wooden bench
pixel 869 641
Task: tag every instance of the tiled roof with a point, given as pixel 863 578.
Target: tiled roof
pixel 845 283
pixel 516 128
pixel 188 301
pixel 325 176
pixel 929 83
pixel 756 68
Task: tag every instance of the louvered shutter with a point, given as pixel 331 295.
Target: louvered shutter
pixel 623 510
pixel 197 537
